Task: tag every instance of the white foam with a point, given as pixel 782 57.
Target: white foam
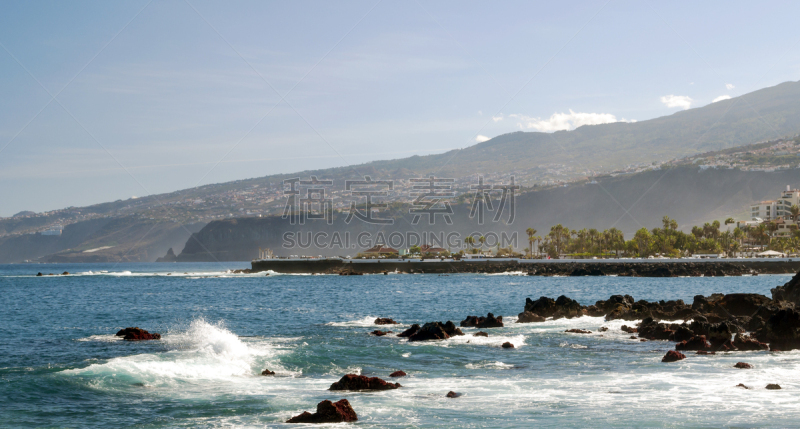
pixel 105 338
pixel 203 353
pixel 364 322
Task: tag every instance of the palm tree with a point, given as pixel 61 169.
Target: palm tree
pixel 531 232
pixel 482 240
pixel 795 210
pixel 729 221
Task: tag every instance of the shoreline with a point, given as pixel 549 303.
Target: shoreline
pixel 566 267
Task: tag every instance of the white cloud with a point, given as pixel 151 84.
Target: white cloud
pixel 480 112
pixel 721 97
pixel 481 138
pixel 497 119
pixel 729 86
pixel 682 101
pixel 566 121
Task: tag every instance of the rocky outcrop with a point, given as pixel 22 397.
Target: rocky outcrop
pixel 673 356
pixel 742 365
pixel 747 343
pixel 562 307
pixel 410 331
pixel 773 387
pixel 482 322
pixel 169 257
pixel 781 330
pixel 695 343
pixel 452 394
pixel 578 331
pixel 267 372
pixel 361 382
pixel 789 292
pixel 529 317
pixel 398 374
pixel 137 334
pixel 384 321
pixel 379 333
pixel 328 412
pixel 507 345
pixel 435 331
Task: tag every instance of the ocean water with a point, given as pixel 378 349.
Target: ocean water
pixel 61 366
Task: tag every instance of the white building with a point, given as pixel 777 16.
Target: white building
pixel 765 210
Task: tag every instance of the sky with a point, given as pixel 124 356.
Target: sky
pixel 102 101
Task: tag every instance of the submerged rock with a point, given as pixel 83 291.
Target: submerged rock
pixel 137 334
pixel 673 356
pixel 328 412
pixel 267 372
pixel 578 331
pixel 362 382
pixel 379 333
pixel 384 321
pixel 398 374
pixel 773 387
pixel 742 386
pixel 507 345
pixel 480 334
pixel 452 394
pixel 742 365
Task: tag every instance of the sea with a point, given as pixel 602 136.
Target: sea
pixel 62 366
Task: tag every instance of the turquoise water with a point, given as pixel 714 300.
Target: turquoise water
pixel 61 366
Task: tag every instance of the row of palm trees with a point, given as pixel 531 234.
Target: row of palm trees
pixel 666 241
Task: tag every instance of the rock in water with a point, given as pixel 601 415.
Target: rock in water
pixel 361 382
pixel 673 356
pixel 384 321
pixel 697 342
pixel 746 342
pixel 742 386
pixel 328 412
pixel 528 317
pixel 743 365
pixel 782 330
pixel 507 345
pixel 137 334
pixel 483 322
pixel 410 331
pixel 398 374
pixel 267 372
pixel 379 333
pixel 773 387
pixel 480 334
pixel 435 331
pixel 789 292
pixel 452 394
pixel 559 308
pixel 578 331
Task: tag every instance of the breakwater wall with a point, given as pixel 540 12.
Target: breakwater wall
pixel 603 267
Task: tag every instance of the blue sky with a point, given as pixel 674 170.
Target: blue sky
pixel 155 97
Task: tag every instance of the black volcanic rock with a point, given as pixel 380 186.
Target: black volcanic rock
pixel 789 292
pixel 435 331
pixel 361 382
pixel 483 322
pixel 137 334
pixel 528 317
pixel 328 412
